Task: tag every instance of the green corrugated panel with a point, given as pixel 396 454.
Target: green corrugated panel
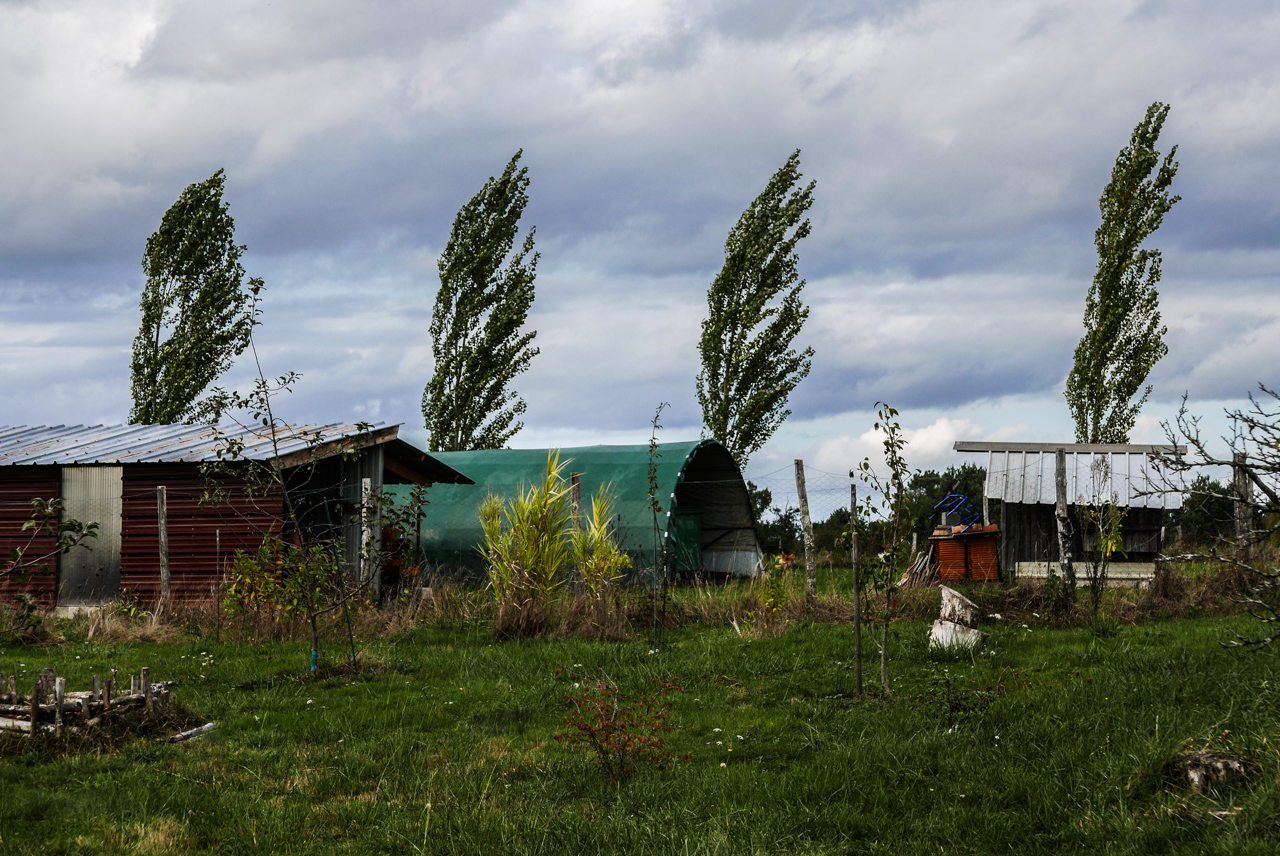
pixel 451 527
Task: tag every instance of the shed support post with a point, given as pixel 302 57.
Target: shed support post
pixel 162 521
pixel 575 501
pixel 367 571
pixel 1243 506
pixel 857 588
pixel 1064 524
pixel 810 567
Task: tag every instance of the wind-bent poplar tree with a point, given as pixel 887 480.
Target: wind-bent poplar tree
pixel 748 365
pixel 476 325
pixel 196 310
pixel 1123 337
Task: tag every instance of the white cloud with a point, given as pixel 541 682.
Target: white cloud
pixel 927 447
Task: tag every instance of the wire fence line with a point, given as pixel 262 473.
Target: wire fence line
pixel 827 492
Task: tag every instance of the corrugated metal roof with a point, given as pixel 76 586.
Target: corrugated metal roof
pixel 122 444
pixel 1126 477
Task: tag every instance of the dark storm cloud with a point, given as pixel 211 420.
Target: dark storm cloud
pixel 959 150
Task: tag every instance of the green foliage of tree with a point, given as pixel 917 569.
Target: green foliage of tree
pixel 927 488
pixel 748 365
pixel 887 499
pixel 1205 519
pixel 196 310
pixel 1123 336
pixel 761 499
pixel 51 533
pixel 476 325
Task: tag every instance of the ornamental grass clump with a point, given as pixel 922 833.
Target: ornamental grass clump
pixel 527 555
pixel 531 544
pixel 600 564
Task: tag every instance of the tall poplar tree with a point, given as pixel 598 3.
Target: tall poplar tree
pixel 1123 337
pixel 196 310
pixel 754 313
pixel 476 327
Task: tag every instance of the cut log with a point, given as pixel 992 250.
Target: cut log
pixel 948 634
pixel 1205 769
pixel 14 725
pixel 958 609
pixel 194 732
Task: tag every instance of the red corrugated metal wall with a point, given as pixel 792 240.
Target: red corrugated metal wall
pixel 984 564
pixel 951 560
pixel 239 522
pixel 18 486
pixel 968 558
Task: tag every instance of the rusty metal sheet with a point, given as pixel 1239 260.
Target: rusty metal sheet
pixel 17 489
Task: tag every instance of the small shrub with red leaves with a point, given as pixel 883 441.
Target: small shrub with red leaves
pixel 623 730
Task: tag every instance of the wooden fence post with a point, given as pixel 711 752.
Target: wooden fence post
pixel 59 696
pixel 1243 505
pixel 857 588
pixel 366 534
pixel 217 585
pixel 810 566
pixel 575 500
pixel 1064 523
pixel 162 520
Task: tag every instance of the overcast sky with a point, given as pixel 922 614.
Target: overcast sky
pixel 959 149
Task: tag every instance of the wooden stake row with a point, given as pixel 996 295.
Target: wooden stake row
pixel 51 708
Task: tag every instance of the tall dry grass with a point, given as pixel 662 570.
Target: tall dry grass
pixel 758 607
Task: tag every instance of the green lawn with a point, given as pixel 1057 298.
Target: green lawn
pixel 449 748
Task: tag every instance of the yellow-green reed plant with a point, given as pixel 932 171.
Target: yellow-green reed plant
pixel 595 550
pixel 527 547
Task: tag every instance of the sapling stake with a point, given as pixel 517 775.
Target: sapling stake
pixel 857 588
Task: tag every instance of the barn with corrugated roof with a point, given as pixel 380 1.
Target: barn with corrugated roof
pixel 110 475
pixel 1022 478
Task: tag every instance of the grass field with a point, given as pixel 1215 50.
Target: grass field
pixel 445 744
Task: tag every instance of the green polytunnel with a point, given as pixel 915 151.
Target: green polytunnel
pixel 706 525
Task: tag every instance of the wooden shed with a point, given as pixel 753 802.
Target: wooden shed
pixel 1022 478
pixel 110 475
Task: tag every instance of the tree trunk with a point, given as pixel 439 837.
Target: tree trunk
pixel 884 642
pixel 1064 525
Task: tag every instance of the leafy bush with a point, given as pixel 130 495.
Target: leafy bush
pixel 765 618
pixel 622 730
pixel 952 703
pixel 283 583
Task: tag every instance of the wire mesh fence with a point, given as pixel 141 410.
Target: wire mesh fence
pixel 828 492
